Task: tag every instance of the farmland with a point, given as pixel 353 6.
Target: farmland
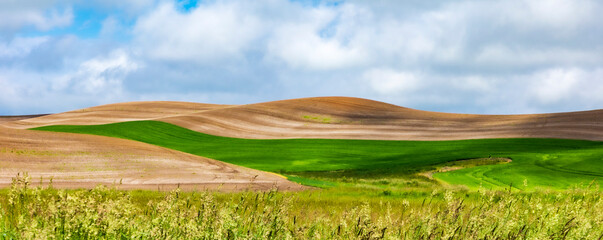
pixel 548 163
pixel 301 119
pixel 319 168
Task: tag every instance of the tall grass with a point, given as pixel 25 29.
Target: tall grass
pixel 107 213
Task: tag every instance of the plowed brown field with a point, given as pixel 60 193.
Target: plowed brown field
pixel 82 161
pixel 334 117
pixel 354 118
pixel 111 113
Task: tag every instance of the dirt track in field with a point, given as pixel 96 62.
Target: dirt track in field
pixel 84 161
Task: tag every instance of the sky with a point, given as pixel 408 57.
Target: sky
pixel 484 57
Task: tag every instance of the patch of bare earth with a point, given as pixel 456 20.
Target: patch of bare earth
pixel 83 161
pixel 460 164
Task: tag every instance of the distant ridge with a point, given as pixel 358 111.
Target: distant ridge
pixel 10 118
pixel 334 117
pixel 118 112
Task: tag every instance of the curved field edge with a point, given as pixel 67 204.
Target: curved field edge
pixel 549 163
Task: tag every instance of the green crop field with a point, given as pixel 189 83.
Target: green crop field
pixel 536 163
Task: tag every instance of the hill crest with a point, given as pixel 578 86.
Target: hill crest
pixel 333 117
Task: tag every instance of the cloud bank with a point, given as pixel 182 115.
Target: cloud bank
pixel 515 56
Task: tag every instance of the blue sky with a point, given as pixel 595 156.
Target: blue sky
pixel 492 57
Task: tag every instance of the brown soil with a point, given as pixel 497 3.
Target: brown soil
pixel 354 118
pixel 460 164
pixel 83 161
pixel 19 117
pixel 334 117
pixel 111 113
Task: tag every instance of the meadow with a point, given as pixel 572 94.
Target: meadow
pixel 535 163
pixel 437 213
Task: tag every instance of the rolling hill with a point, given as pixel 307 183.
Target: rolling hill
pixel 322 134
pixel 110 113
pixel 334 118
pixel 84 161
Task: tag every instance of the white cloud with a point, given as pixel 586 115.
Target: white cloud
pixel 20 46
pixel 558 14
pixel 319 39
pixel 8 92
pixel 300 47
pixel 501 56
pixel 213 32
pixel 353 35
pixel 557 85
pixel 21 91
pixel 95 81
pixel 474 83
pixel 103 75
pixel 387 81
pixel 111 26
pixel 40 14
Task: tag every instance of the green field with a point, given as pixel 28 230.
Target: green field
pixel 536 163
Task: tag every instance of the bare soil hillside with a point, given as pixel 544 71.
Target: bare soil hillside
pixel 334 117
pixel 83 161
pixel 355 118
pixel 119 112
pixel 19 117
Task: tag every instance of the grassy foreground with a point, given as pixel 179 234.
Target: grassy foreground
pixel 106 213
pixel 536 163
